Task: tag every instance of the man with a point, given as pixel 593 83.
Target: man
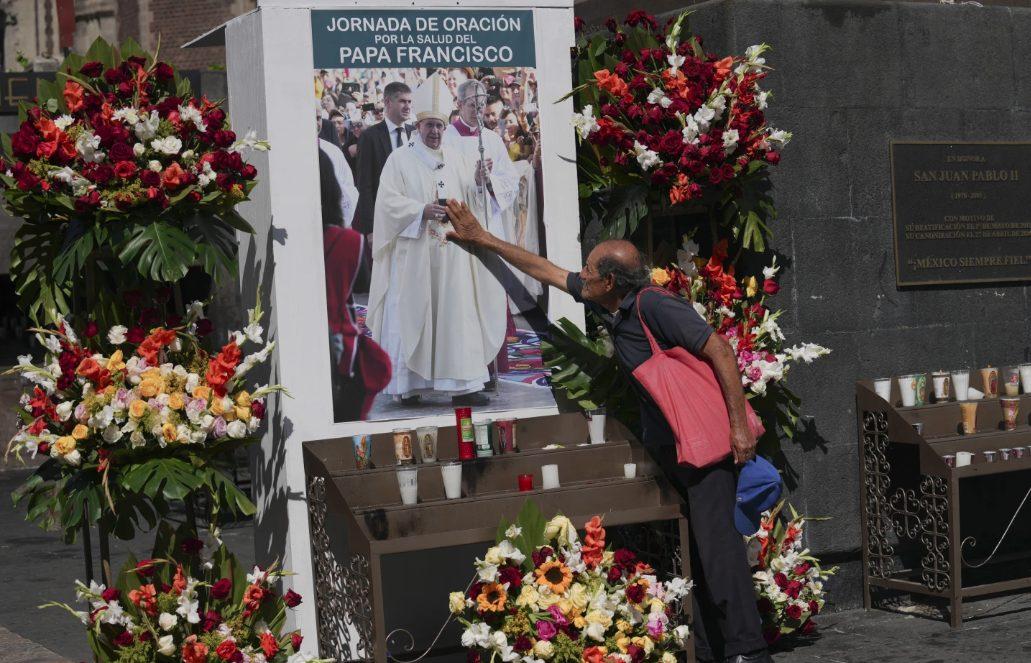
pixel 435 308
pixel 503 184
pixel 492 114
pixel 727 622
pixel 376 144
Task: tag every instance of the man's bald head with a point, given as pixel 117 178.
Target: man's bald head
pixel 620 260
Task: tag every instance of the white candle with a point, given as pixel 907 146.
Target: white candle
pixel 549 477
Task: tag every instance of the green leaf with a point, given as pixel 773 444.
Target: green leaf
pixel 160 251
pixel 102 52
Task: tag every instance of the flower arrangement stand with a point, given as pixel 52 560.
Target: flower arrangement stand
pixel 911 496
pixel 357 517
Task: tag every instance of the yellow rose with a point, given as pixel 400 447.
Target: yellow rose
pixel 168 432
pixel 599 617
pixel 623 626
pixel 228 413
pixel 138 408
pixel 751 286
pixel 152 373
pixel 216 407
pixel 150 388
pixel 544 649
pixel 622 643
pixel 528 597
pixel 645 643
pixel 456 602
pixel 657 606
pixel 176 402
pixel 493 556
pixel 545 601
pixel 561 529
pixel 660 276
pixel 667 657
pixel 80 432
pixel 65 445
pixel 243 413
pixel 578 596
pixel 114 362
pixel 579 622
pixel 243 399
pixel 607 558
pixel 202 391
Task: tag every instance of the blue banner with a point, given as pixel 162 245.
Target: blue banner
pixel 422 38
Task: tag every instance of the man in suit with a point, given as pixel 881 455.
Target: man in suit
pixel 376 144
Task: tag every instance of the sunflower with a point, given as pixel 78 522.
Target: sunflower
pixel 554 575
pixel 492 597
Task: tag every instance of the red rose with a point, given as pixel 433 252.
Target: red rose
pixel 814 607
pixel 91 329
pixel 295 641
pixel 808 627
pixel 136 335
pixel 508 574
pixel 87 202
pixel 614 575
pixel 114 76
pixel 43 448
pixel 773 157
pixel 121 152
pixel 781 580
pixel 27 181
pixel 163 71
pixel 793 612
pixel 226 650
pixel 292 599
pixel 100 173
pixel 149 178
pixel 793 589
pixel 221 589
pixel 145 568
pixel 111 594
pixel 212 620
pixel 25 141
pixel 223 138
pixel 124 639
pixel 248 172
pixel 802 568
pixel 770 287
pixel 635 653
pixel 125 169
pixel 92 69
pixel 635 593
pixel 671 143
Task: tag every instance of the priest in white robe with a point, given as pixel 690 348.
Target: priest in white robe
pixel 434 306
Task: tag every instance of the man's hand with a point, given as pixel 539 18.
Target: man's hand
pixel 466 226
pixel 742 444
pixel 433 212
pixel 483 170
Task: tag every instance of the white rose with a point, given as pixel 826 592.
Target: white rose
pixel 166 645
pixel 167 621
pixel 561 529
pixel 116 335
pixel 169 145
pixel 138 149
pixel 494 556
pixel 112 433
pixel 64 410
pixel 236 429
pixel 456 602
pixel 154 165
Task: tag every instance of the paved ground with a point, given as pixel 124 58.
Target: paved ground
pixel 35 567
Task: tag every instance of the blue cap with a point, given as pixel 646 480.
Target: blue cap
pixel 758 489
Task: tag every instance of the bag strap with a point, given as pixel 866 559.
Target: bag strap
pixel 647 332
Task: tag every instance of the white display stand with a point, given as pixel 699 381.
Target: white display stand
pixel 269 61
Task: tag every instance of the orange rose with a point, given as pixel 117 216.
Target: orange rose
pixel 172 177
pixel 193 651
pixel 269 644
pixel 73 96
pixel 594 654
pixel 94 372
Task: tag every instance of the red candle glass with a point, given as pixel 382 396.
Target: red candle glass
pixel 525 483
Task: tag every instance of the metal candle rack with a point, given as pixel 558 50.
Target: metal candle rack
pixel 356 516
pixel 910 494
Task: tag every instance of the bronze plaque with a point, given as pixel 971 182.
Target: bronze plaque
pixel 961 212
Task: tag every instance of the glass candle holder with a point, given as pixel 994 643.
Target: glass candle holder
pixel 452 475
pixel 950 460
pixel 968 409
pixel 408 483
pixel 1005 453
pixel 1010 410
pixel 882 387
pixel 525 483
pixel 961 384
pixel 549 477
pixel 989 456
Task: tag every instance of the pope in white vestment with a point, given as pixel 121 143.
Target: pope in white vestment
pixel 434 306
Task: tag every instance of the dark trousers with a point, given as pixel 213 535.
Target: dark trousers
pixel 726 620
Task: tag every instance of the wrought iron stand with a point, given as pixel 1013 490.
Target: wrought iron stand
pixel 909 493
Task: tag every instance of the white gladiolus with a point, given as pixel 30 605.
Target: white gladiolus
pixel 88 147
pixel 477 635
pixel 585 122
pixel 806 352
pixel 762 99
pixel 191 114
pixel 63 122
pixel 730 139
pixel 771 271
pixel 512 532
pixel 703 116
pixel 147 127
pixel 675 62
pixel 780 137
pixel 645 157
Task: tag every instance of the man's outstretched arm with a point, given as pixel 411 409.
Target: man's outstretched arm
pixel 467 229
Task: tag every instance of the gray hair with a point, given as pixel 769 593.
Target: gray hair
pixel 470 88
pixel 627 279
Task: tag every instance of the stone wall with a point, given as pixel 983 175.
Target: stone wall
pixel 850 76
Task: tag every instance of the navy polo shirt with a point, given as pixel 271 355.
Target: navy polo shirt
pixel 672 320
